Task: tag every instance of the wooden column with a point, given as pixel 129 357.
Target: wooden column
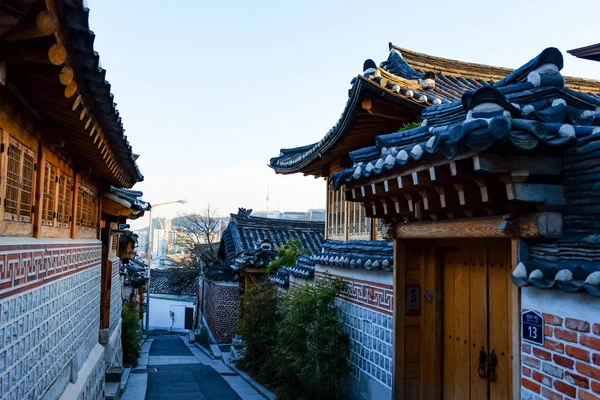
pixel 327 207
pixel 431 324
pixel 519 251
pixel 106 276
pixel 398 369
pixel 74 207
pixel 39 192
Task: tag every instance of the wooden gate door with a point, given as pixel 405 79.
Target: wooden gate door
pixel 476 354
pixel 189 318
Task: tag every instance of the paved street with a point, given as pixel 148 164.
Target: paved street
pixel 184 372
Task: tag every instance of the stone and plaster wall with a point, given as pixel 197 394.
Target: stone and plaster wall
pixel 222 309
pixel 49 318
pixel 111 339
pixel 367 315
pixel 568 365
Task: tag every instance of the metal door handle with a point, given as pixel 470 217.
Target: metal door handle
pixel 481 371
pixel 492 366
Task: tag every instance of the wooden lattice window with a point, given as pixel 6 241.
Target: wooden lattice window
pixel 337 215
pixel 359 225
pixel 87 205
pixel 49 199
pixel 65 194
pixel 18 201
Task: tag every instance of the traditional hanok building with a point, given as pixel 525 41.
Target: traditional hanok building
pixel 489 203
pixel 247 246
pixel 63 159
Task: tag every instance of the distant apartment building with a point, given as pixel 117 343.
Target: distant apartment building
pixel 295 215
pixel 267 214
pixel 316 214
pixel 164 238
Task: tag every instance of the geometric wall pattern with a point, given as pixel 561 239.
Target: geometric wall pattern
pixel 49 308
pixel 370 334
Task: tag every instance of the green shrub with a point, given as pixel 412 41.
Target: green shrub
pixel 311 350
pixel 286 255
pixel 409 125
pixel 259 318
pixel 131 335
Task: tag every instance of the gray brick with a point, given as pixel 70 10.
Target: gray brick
pixel 552 370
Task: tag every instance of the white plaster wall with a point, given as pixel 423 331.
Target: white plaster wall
pixel 580 306
pixel 159 312
pixel 383 277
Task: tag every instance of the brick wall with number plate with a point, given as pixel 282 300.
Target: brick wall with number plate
pixel 49 314
pixel 567 366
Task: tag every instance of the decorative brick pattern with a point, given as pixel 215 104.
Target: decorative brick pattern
pixel 374 296
pixel 564 368
pixel 370 334
pixel 222 309
pixel 23 267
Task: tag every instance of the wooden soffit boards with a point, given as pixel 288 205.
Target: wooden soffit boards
pixel 111 207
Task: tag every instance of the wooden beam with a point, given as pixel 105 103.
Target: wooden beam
pixel 70 89
pixel 536 193
pixel 535 165
pixel 66 76
pixel 45 24
pixel 57 54
pixel 546 225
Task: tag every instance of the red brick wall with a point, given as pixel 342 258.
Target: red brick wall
pixel 568 365
pixel 222 310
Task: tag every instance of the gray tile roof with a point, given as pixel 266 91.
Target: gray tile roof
pixel 174 281
pixel 361 254
pixel 529 107
pixel 419 80
pixel 245 233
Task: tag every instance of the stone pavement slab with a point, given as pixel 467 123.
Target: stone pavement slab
pixel 187 382
pixel 166 360
pixel 242 388
pixel 136 387
pixel 169 346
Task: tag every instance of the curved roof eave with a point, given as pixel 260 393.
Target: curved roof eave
pixel 309 153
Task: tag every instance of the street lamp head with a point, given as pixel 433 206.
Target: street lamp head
pixel 184 201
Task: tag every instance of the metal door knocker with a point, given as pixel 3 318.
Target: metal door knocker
pixel 492 366
pixel 482 361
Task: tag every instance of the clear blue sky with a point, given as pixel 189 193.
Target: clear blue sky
pixel 210 90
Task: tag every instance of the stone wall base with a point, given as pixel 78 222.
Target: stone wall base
pixel 113 353
pixel 90 378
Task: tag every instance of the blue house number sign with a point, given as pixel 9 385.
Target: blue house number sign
pixel 532 324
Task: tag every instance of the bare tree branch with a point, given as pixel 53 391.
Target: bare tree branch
pixel 198 234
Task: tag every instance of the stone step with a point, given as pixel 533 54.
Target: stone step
pixel 125 378
pixel 112 390
pixel 113 374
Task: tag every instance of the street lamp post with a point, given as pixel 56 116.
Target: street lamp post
pixel 150 258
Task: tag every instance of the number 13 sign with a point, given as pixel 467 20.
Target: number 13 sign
pixel 532 325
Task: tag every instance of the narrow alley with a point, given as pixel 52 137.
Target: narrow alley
pixel 169 367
